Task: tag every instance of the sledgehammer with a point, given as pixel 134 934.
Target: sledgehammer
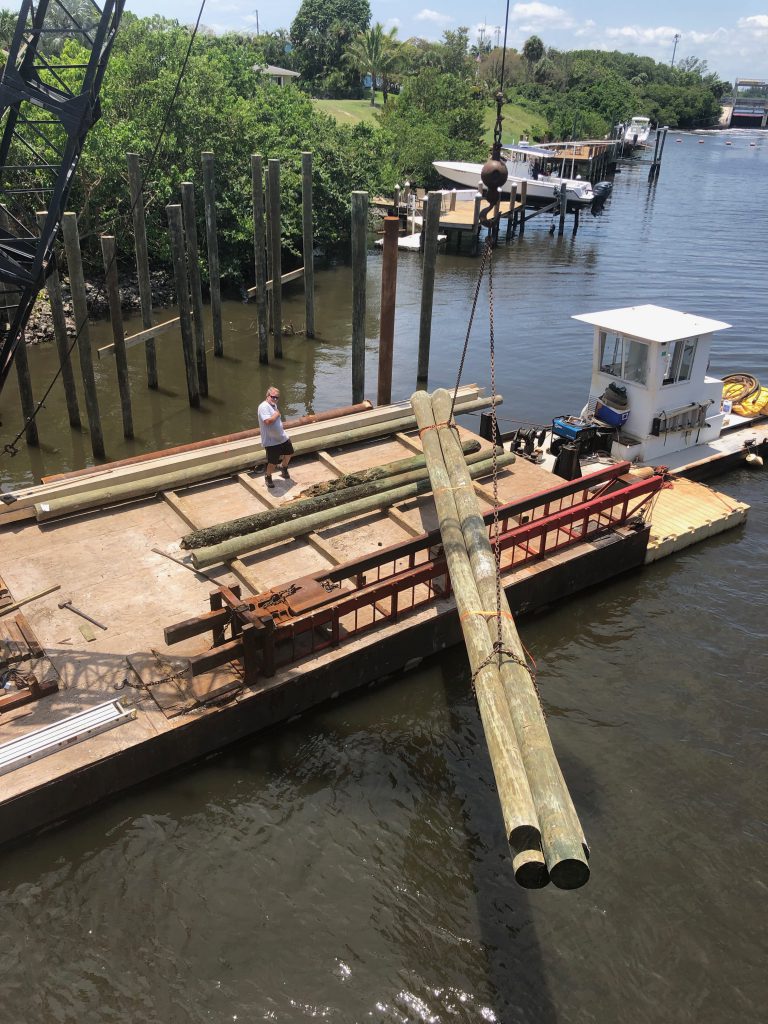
pixel 77 611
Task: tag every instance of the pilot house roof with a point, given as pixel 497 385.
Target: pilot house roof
pixel 652 323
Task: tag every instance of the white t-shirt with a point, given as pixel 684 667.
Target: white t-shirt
pixel 271 433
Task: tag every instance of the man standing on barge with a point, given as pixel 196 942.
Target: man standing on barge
pixel 273 436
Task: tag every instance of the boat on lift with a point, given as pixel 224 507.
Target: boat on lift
pixel 524 163
pixel 636 132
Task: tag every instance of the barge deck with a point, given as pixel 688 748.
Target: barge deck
pixel 187 664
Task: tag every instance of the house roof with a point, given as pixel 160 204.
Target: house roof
pixel 274 72
pixel 652 323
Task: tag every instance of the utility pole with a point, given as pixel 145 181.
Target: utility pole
pixel 674 48
pixel 257 22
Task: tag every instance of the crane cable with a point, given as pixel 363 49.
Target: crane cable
pixel 11 448
pixel 492 170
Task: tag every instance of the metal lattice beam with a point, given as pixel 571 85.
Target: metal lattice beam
pixel 47 107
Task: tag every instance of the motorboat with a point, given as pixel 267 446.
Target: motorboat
pixel 636 132
pixel 524 163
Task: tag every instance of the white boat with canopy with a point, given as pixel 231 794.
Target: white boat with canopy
pixel 524 163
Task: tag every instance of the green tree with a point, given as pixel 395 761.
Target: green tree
pixel 533 51
pixel 321 31
pixel 437 116
pixel 374 52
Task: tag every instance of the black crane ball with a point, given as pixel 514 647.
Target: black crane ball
pixel 494 173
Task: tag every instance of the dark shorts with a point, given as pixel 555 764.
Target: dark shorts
pixel 275 452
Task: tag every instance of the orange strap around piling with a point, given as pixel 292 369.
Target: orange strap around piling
pixel 486 615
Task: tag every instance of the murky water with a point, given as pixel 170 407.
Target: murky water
pixel 350 866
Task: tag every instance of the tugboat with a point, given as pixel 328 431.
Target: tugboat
pixel 652 400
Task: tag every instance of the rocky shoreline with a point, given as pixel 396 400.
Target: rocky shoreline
pixel 39 329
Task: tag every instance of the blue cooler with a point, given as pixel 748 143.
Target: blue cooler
pixel 607 414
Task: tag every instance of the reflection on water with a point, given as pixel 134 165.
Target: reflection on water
pixel 350 866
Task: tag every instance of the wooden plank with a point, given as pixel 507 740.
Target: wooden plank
pixel 292 275
pixel 141 336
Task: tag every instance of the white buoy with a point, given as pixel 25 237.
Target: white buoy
pixel 753 459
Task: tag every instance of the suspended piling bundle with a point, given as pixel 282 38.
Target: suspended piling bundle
pixel 543 829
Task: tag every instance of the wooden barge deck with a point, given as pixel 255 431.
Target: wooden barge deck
pixel 370 595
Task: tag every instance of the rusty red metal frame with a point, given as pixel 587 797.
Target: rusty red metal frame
pixel 316 612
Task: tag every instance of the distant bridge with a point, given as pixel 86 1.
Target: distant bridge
pixel 748 106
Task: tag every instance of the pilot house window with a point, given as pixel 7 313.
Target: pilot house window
pixel 678 360
pixel 623 357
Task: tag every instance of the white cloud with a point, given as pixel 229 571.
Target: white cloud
pixel 537 15
pixel 434 16
pixel 755 21
pixel 647 36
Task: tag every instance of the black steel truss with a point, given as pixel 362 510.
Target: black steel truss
pixel 46 109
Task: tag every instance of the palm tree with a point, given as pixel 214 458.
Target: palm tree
pixel 374 52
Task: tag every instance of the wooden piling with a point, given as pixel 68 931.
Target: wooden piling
pixel 308 244
pixel 387 314
pixel 359 274
pixel 512 785
pixel 273 169
pixel 512 213
pixel 212 239
pixel 80 307
pixel 561 834
pixel 26 394
pixel 53 289
pixel 176 235
pixel 142 263
pixel 563 207
pixel 196 287
pixel 10 298
pixel 109 255
pixel 430 230
pixel 260 255
pixel 523 201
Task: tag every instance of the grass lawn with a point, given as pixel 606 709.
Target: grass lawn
pixel 350 111
pixel 518 121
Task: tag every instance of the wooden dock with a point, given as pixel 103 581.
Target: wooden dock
pixel 346 606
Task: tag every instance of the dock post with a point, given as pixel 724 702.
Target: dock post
pixel 387 314
pixel 260 255
pixel 176 233
pixel 664 131
pixel 109 255
pixel 563 206
pixel 277 272
pixel 80 307
pixel 475 226
pixel 512 214
pixel 523 201
pixel 575 220
pixel 308 245
pixel 53 288
pixel 652 169
pixel 142 263
pixel 359 272
pixel 10 298
pixel 196 288
pixel 211 235
pixel 430 231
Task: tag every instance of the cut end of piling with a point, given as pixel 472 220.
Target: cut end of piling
pixel 530 869
pixel 570 873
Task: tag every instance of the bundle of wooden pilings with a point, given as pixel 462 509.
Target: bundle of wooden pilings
pixel 542 827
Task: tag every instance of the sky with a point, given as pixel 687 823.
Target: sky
pixel 731 37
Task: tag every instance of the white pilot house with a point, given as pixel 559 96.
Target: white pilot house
pixel 650 380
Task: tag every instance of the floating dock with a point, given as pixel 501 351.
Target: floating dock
pixel 191 661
